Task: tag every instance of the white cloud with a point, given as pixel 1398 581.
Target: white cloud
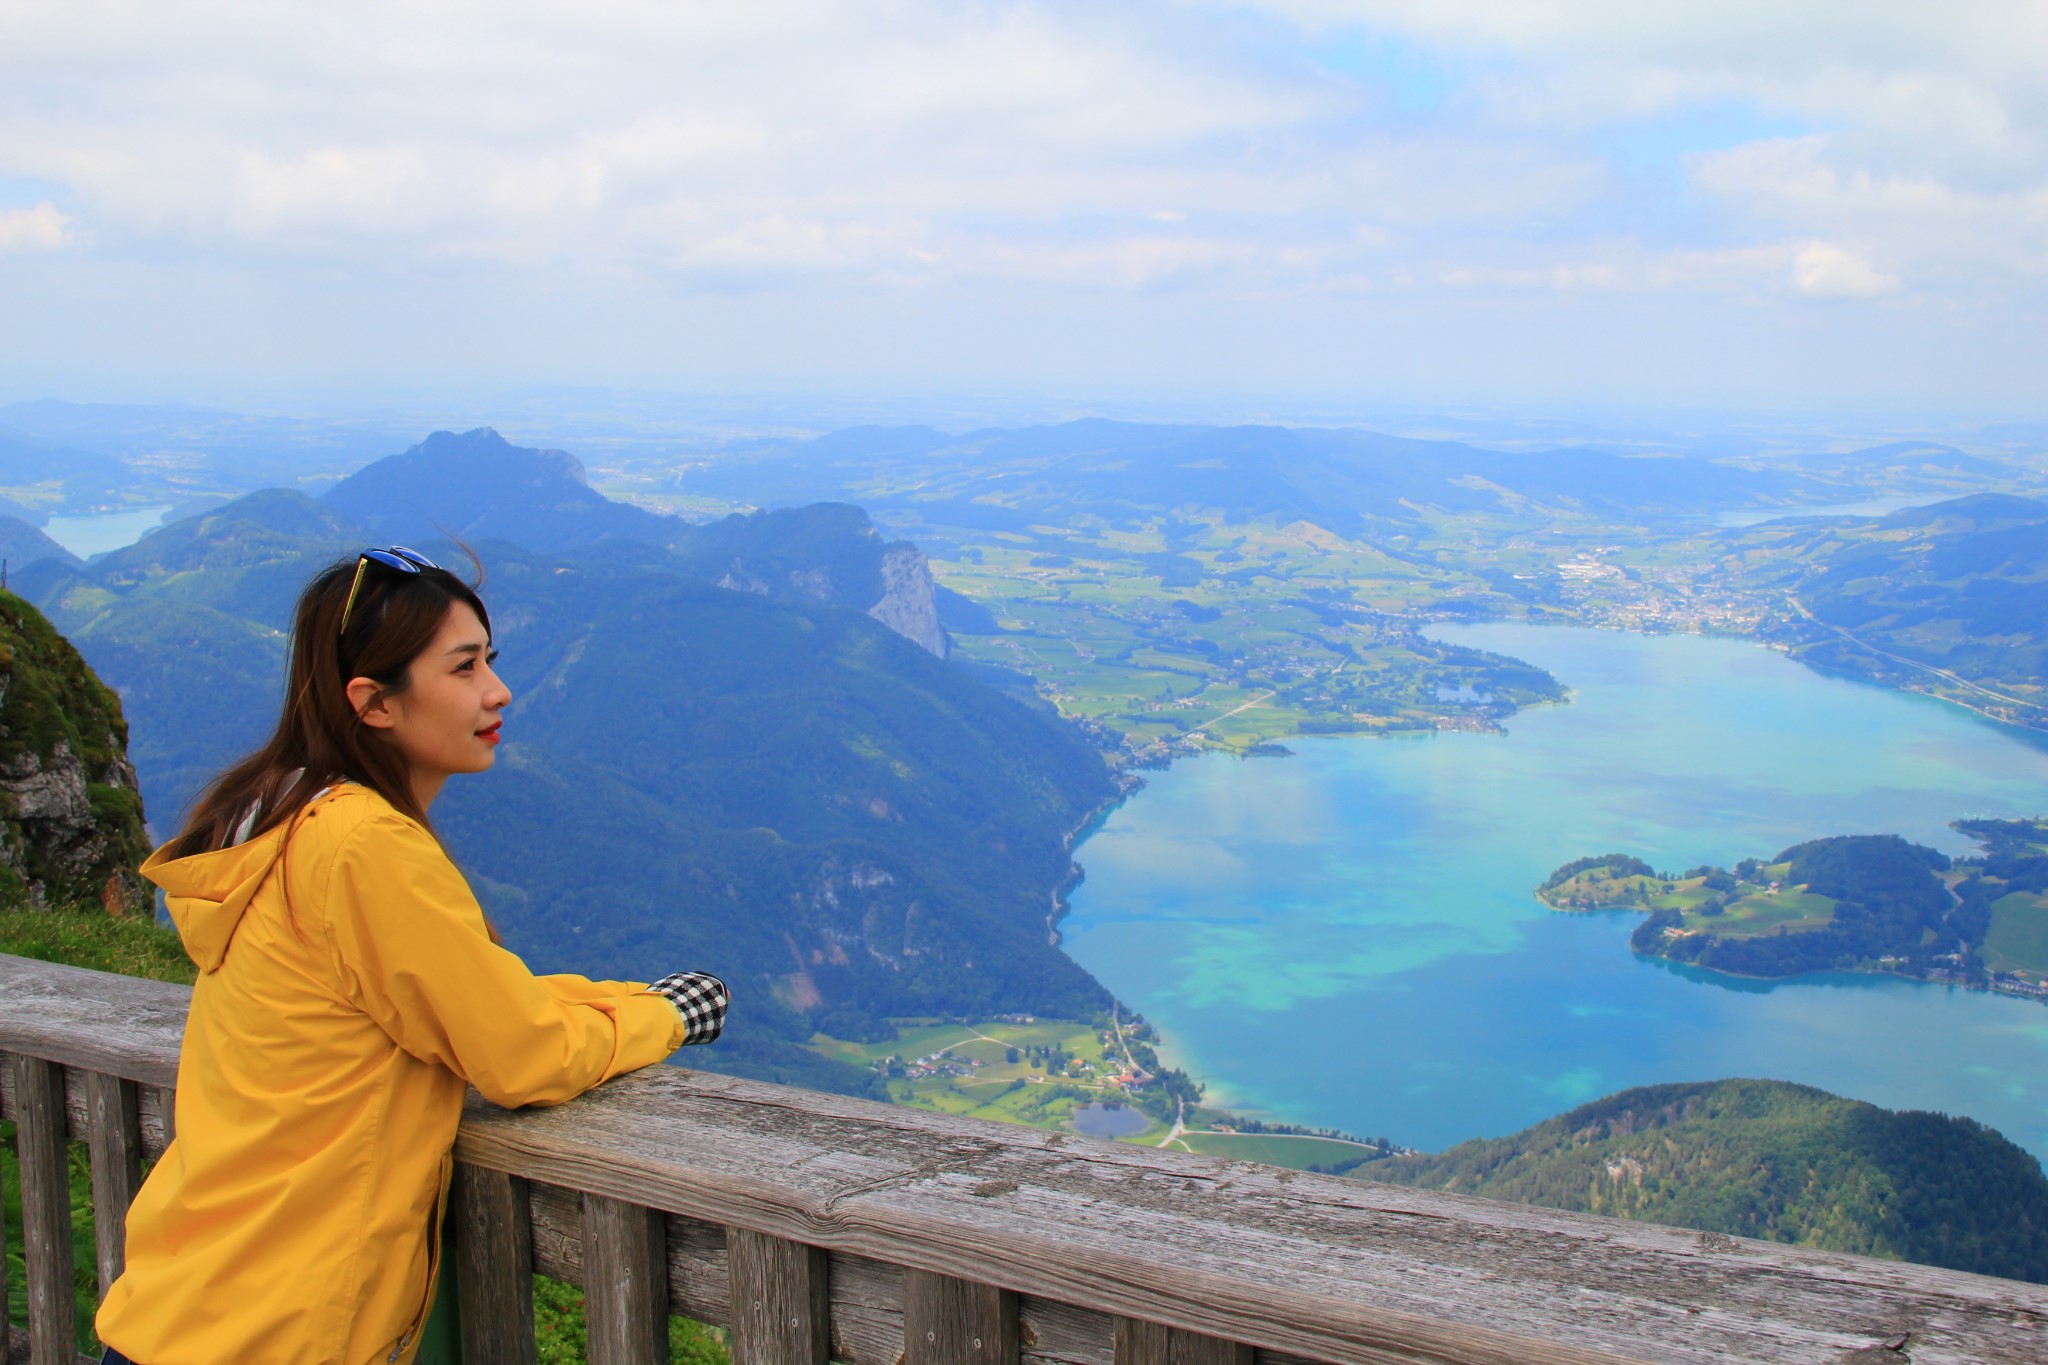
pixel 40 228
pixel 1826 271
pixel 520 132
pixel 1940 234
pixel 1016 158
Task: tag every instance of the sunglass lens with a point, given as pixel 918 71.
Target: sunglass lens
pixel 391 561
pixel 415 556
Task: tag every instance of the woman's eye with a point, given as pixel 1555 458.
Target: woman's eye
pixel 491 657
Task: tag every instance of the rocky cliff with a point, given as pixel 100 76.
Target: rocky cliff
pixel 70 809
pixel 828 554
pixel 909 602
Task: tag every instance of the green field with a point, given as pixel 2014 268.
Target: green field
pixel 1749 911
pixel 2018 937
pixel 965 1069
pixel 1794 911
pixel 1251 633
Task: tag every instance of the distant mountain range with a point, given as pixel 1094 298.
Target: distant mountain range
pixel 1341 479
pixel 196 457
pixel 185 450
pixel 760 778
pixel 1768 1159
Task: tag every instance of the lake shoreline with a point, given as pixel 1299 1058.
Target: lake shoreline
pixel 1466 1009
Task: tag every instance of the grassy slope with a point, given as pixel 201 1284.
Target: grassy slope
pixel 970 1074
pixel 1768 1159
pixel 89 937
pixel 2018 937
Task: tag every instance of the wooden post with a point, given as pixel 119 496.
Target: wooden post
pixel 493 1265
pixel 6 1291
pixel 1151 1343
pixel 947 1321
pixel 781 1305
pixel 625 1281
pixel 115 1109
pixel 167 1105
pixel 45 1210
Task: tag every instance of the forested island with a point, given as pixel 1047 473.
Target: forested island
pixel 1846 903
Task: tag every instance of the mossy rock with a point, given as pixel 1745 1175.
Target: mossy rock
pixel 71 821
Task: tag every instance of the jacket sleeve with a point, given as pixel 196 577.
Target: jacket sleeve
pixel 416 955
pixel 568 986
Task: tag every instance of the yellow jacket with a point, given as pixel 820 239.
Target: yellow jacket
pixel 343 1005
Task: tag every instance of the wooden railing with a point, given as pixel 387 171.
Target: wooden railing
pixel 818 1227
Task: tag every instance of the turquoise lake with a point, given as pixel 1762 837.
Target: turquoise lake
pixel 96 533
pixel 1348 936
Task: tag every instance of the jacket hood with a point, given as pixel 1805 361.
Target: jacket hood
pixel 208 892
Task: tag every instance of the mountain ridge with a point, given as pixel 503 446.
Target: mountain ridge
pixel 1774 1160
pixel 846 823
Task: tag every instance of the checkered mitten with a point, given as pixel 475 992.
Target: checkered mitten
pixel 700 998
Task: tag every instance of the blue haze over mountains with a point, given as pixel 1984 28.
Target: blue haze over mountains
pixel 764 781
pixel 733 763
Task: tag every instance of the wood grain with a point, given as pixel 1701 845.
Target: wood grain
pixel 6 1290
pixel 14 1346
pixel 159 1119
pixel 115 1122
pixel 1302 1267
pixel 493 1266
pixel 781 1303
pixel 40 1144
pixel 625 1285
pixel 951 1321
pixel 1320 1267
pixel 95 1021
pixel 1151 1343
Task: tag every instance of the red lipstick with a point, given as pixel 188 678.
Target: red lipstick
pixel 490 736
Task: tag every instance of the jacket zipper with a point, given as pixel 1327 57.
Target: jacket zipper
pixel 419 1320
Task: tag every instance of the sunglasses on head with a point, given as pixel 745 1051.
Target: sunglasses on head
pixel 393 557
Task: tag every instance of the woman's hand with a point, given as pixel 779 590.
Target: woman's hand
pixel 700 998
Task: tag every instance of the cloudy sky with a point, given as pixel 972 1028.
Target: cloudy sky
pixel 1804 204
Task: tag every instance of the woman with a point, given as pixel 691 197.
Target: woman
pixel 349 991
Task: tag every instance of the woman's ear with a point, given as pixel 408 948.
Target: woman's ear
pixel 371 703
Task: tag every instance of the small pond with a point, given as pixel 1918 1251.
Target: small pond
pixel 1108 1121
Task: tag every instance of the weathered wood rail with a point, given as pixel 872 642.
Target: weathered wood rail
pixel 820 1228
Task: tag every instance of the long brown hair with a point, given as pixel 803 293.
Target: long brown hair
pixel 320 739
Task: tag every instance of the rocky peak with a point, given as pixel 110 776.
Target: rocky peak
pixel 70 808
pixel 827 552
pixel 909 602
pixel 476 485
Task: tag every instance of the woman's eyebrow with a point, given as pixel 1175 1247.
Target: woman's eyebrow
pixel 469 648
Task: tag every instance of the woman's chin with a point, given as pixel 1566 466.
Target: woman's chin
pixel 476 762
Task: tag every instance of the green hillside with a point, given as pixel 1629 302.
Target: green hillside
pixel 1767 1159
pixel 862 828
pixel 1946 599
pixel 768 784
